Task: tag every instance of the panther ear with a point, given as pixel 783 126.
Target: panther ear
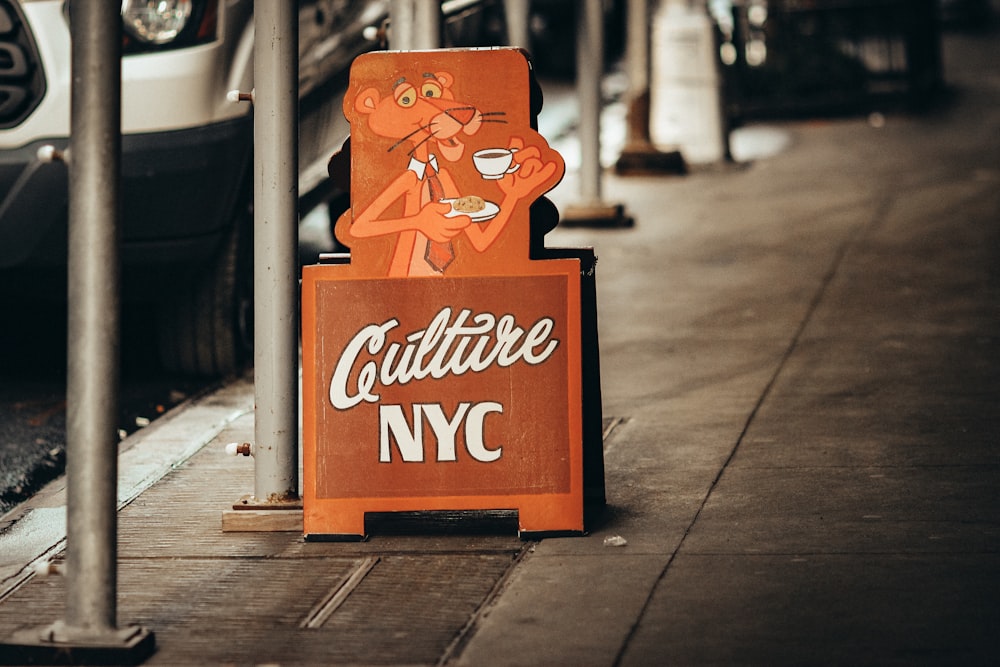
pixel 445 78
pixel 367 100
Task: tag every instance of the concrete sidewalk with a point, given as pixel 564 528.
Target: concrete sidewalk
pixel 801 377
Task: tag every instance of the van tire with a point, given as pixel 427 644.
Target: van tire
pixel 206 328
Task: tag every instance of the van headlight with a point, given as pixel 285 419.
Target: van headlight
pixel 158 24
pixel 155 21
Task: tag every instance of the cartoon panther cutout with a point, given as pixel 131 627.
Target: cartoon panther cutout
pixel 445 161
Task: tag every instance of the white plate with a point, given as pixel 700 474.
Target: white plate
pixel 488 213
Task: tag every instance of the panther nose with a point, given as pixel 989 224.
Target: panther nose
pixel 463 115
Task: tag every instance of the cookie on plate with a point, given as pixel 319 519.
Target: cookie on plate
pixel 469 204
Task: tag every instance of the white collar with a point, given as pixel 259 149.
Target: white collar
pixel 419 168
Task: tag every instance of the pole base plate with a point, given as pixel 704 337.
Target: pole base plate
pixel 596 215
pixel 647 161
pixel 57 644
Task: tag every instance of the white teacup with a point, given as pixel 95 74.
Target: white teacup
pixel 495 163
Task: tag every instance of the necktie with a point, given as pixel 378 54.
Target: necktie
pixel 438 255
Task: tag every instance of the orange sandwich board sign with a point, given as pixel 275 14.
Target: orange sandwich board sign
pixel 441 364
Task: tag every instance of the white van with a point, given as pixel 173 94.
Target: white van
pixel 186 155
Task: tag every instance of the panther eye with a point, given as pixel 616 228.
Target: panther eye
pixel 430 89
pixel 407 97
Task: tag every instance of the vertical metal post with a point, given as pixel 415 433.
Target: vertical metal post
pixel 590 66
pixel 589 70
pixel 90 624
pixel 637 62
pixel 516 14
pixel 401 25
pixel 414 24
pixel 637 47
pixel 93 325
pixel 639 156
pixel 276 305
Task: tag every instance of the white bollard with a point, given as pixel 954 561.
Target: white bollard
pixel 686 86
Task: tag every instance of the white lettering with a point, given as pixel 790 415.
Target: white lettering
pixel 443 429
pixel 393 426
pixel 374 336
pixel 392 421
pixel 538 336
pixel 474 432
pixel 446 347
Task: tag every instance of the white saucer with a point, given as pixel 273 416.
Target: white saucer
pixel 488 213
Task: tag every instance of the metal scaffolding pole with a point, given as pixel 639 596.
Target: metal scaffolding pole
pixel 591 210
pixel 516 14
pixel 639 156
pixel 89 630
pixel 276 296
pixel 590 68
pixel 93 324
pixel 414 24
